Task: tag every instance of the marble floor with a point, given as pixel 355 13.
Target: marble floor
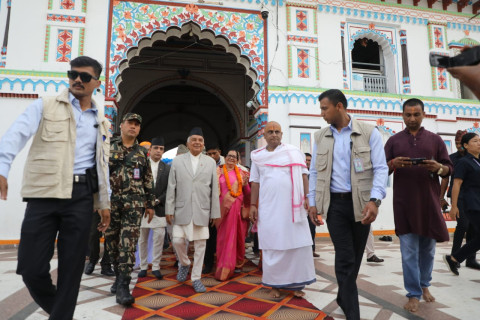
pixel 380 289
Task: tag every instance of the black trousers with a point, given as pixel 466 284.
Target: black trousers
pixel 463 230
pixel 473 245
pixel 209 259
pixel 45 219
pixel 349 239
pixel 312 232
pixel 94 243
pixel 255 242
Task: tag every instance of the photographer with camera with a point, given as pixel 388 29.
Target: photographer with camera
pixel 465 67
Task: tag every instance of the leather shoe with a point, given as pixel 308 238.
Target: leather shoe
pixel 142 274
pixel 124 297
pixel 452 265
pixel 316 255
pixel 89 268
pixel 473 265
pixel 107 271
pixel 157 274
pixel 374 258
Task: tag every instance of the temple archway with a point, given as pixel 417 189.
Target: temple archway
pixel 188 65
pixel 187 77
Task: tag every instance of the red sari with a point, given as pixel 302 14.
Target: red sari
pixel 232 228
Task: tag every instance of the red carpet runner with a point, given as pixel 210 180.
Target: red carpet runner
pixel 242 297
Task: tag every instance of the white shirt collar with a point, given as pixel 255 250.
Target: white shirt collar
pixel 197 156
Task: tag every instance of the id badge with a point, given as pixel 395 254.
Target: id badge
pixel 358 165
pixel 136 173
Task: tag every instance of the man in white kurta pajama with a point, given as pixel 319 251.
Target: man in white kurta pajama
pixel 160 171
pixel 277 175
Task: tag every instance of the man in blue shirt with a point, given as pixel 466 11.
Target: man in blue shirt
pixel 348 175
pixel 69 149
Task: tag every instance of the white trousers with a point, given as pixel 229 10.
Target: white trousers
pixel 199 254
pixel 369 248
pixel 158 238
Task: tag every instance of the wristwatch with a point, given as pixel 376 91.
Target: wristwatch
pixel 439 172
pixel 377 202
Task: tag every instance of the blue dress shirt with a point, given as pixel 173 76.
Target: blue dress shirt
pixel 27 125
pixel 341 177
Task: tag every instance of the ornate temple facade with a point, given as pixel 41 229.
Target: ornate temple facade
pixel 230 66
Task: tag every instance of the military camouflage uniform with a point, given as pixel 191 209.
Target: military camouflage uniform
pixel 128 201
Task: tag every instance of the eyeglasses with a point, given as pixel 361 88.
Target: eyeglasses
pixel 231 157
pixel 277 132
pixel 84 76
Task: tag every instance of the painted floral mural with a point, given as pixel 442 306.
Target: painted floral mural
pixel 132 21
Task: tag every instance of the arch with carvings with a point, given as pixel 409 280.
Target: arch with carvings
pixel 136 25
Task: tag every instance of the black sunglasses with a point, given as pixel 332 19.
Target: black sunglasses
pixel 84 76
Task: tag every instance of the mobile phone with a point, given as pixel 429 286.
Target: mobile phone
pixel 469 57
pixel 416 161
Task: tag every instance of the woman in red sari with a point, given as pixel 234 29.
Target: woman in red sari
pixel 232 227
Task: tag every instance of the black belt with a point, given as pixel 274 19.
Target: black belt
pixel 341 195
pixel 79 178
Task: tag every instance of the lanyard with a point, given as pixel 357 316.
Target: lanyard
pixel 476 161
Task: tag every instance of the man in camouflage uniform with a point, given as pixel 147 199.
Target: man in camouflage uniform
pixel 131 182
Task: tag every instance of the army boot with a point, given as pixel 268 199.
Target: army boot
pixel 123 291
pixel 113 288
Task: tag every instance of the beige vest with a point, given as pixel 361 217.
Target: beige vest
pixel 49 168
pixel 361 182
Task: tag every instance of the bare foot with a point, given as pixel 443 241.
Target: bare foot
pixel 412 304
pixel 299 294
pixel 275 293
pixel 427 295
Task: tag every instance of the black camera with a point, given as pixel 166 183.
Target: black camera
pixel 417 161
pixel 469 57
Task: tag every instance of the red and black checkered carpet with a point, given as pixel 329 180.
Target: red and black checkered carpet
pixel 242 297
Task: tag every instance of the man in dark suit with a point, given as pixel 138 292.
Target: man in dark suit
pixel 160 172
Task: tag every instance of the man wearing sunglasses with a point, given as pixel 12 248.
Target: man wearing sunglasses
pixel 65 178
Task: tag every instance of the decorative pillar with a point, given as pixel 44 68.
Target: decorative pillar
pixel 405 70
pixel 344 65
pixel 437 41
pixel 262 119
pixel 111 113
pixel 3 54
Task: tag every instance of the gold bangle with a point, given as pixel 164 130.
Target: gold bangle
pixel 253 205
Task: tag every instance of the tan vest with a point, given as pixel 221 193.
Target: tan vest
pixel 361 182
pixel 49 168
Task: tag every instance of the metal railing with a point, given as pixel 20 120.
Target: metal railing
pixel 373 83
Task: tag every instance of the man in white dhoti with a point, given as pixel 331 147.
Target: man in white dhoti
pixel 192 202
pixel 279 177
pixel 160 171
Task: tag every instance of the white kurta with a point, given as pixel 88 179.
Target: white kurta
pixel 287 246
pixel 157 222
